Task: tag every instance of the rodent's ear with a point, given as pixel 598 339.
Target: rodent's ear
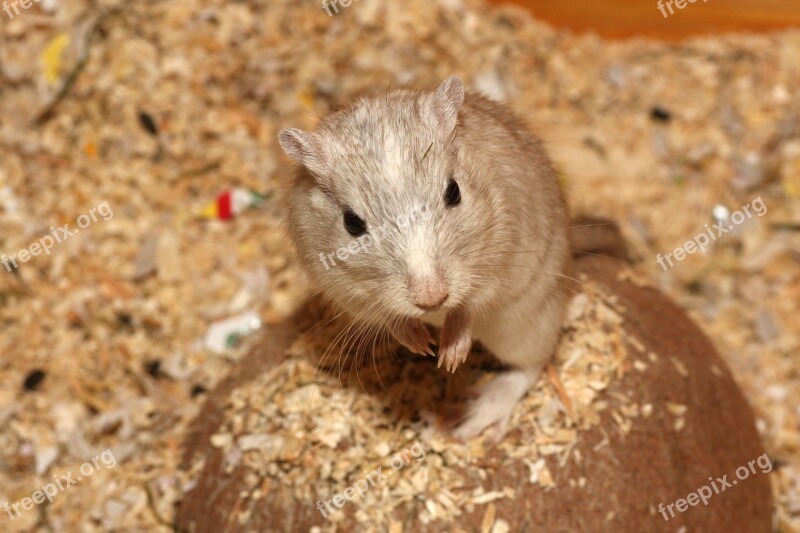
pixel 305 148
pixel 447 102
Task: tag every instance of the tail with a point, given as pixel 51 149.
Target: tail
pixel 600 236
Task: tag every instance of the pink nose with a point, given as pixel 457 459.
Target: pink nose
pixel 429 292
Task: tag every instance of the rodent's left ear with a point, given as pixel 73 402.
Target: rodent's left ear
pixel 447 102
pixel 305 148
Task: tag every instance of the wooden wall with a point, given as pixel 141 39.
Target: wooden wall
pixel 624 18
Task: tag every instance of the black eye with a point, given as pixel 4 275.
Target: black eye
pixel 452 196
pixel 353 224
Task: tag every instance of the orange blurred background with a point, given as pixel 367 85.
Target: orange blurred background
pixel 626 18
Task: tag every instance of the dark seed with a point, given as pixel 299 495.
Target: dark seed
pixel 34 379
pixel 154 368
pixel 125 320
pixel 148 123
pixel 197 390
pixel 695 287
pixel 660 114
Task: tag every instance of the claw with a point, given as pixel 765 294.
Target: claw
pixel 455 341
pixel 416 338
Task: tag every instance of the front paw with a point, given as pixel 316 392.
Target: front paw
pixel 453 351
pixel 414 335
pixel 455 341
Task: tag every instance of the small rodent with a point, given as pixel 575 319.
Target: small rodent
pixel 478 245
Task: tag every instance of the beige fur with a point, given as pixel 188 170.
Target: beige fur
pixel 499 255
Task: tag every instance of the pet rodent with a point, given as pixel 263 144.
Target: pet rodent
pixel 483 248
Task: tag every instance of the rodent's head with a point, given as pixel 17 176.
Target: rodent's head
pixel 383 213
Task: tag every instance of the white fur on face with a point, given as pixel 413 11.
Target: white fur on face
pixel 420 259
pixel 389 156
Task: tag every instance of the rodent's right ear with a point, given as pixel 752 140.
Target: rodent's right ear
pixel 305 148
pixel 447 102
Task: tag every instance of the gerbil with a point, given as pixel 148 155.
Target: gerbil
pixel 482 253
